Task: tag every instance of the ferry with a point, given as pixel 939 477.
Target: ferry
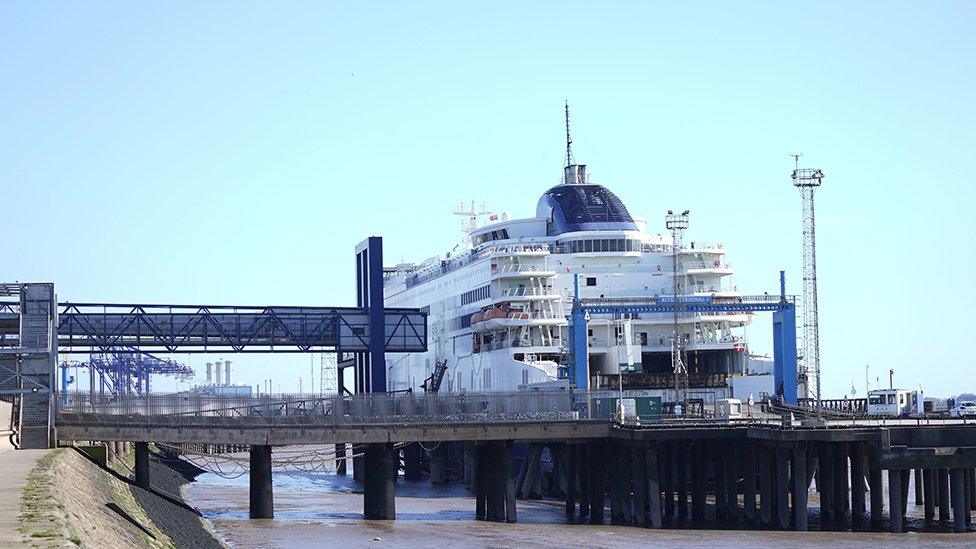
pixel 497 310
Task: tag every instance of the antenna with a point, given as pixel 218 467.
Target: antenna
pixel 569 139
pixel 807 180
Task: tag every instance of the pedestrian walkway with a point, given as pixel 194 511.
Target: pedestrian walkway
pixel 14 466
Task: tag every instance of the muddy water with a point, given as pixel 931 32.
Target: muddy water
pixel 323 510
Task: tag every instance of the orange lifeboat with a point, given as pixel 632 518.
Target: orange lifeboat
pixel 476 318
pixel 495 312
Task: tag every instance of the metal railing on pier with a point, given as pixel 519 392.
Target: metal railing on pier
pixel 192 409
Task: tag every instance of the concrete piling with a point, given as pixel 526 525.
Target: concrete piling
pixel 572 479
pixel 839 491
pixel 698 482
pixel 800 489
pixel 260 489
pixel 895 501
pixel 943 486
pixel 958 491
pixel 732 485
pixel 766 489
pixel 379 481
pixel 411 461
pixel 782 487
pixel 721 484
pixel 858 495
pixel 919 489
pixel 681 479
pixel 667 477
pixel 639 468
pixel 340 453
pixel 749 484
pixel 928 494
pixel 481 481
pixel 877 496
pixel 598 477
pixel 653 487
pixel 142 464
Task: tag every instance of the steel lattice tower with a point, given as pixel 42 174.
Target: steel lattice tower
pixel 677 223
pixel 807 180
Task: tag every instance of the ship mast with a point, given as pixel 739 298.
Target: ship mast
pixel 569 140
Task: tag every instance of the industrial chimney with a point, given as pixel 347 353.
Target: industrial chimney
pixel 217 373
pixel 210 373
pixel 226 372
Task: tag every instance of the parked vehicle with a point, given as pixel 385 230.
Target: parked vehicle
pixel 965 408
pixel 892 402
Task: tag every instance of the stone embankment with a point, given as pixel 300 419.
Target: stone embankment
pixel 69 499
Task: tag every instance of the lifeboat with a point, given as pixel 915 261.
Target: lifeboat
pixel 494 313
pixel 476 318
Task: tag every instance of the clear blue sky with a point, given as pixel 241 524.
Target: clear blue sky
pixel 227 152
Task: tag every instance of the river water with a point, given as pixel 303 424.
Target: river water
pixel 325 510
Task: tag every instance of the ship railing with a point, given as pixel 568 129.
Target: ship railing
pixel 520 292
pixel 512 249
pixel 696 246
pixel 519 268
pixel 702 264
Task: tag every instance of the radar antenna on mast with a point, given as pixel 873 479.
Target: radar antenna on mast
pixel 569 140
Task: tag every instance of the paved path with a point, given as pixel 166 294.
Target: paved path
pixel 14 466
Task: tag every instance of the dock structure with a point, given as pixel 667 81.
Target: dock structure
pixel 762 471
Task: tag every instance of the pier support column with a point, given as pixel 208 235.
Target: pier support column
pixel 639 469
pixel 583 464
pixel 800 489
pixel 895 500
pixel 877 495
pixel 142 465
pixel 379 481
pixel 732 483
pixel 261 493
pixel 857 484
pixel 340 452
pixel 958 490
pixel 749 484
pixel 481 481
pixel 508 474
pixel 766 485
pixel 598 485
pixel 919 489
pixel 358 465
pixel 624 476
pixel 839 491
pixel 825 484
pixel 698 482
pixel 439 473
pixel 905 485
pixel 681 479
pixel 783 487
pixel 721 484
pixel 667 477
pixel 571 479
pixel 928 494
pixel 411 461
pixel 653 487
pixel 942 475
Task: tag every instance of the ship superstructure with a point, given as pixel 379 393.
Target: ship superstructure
pixel 498 310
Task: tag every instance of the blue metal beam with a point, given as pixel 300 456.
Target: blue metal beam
pixel 85 327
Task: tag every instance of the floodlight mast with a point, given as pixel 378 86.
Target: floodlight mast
pixel 807 180
pixel 677 223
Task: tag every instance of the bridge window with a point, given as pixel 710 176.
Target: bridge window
pixel 591 281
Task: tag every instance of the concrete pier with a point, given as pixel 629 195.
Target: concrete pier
pixel 858 494
pixel 877 496
pixel 261 493
pixel 411 461
pixel 340 453
pixel 943 487
pixel 800 489
pixel 142 464
pixel 958 490
pixel 379 481
pixel 681 479
pixel 698 482
pixel 895 500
